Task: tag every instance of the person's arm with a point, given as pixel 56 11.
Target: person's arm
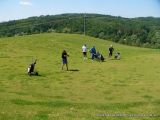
pixel 35 61
pixel 90 50
pixel 66 55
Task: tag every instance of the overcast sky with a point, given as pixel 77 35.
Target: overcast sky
pixel 18 9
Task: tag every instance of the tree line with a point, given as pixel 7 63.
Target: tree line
pixel 143 32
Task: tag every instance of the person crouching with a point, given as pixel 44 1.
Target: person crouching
pixel 31 69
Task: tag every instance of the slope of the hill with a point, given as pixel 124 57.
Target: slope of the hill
pixel 90 90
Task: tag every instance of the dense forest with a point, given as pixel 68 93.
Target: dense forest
pixel 144 32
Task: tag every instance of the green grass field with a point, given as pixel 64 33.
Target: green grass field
pixel 90 90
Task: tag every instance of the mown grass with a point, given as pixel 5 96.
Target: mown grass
pixel 86 92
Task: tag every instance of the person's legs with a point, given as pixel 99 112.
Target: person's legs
pixel 111 54
pixel 83 55
pixel 86 55
pixel 67 66
pixel 92 56
pixel 62 63
pixel 62 66
pixel 65 62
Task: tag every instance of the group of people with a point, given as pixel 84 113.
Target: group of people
pixel 98 55
pixel 94 55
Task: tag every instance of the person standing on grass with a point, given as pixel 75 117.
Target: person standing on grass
pixel 84 51
pixel 64 59
pixel 93 52
pixel 111 49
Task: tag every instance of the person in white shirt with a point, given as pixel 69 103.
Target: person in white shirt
pixel 84 51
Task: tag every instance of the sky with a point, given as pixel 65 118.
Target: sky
pixel 19 9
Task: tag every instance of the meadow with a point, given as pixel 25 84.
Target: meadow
pixel 90 90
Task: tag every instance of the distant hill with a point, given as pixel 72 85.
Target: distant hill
pixel 143 32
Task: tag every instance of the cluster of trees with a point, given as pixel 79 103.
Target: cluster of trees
pixel 143 32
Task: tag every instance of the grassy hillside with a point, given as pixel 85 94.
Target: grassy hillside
pixel 86 92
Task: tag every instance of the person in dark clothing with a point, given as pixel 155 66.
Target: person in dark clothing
pixel 64 59
pixel 31 69
pixel 111 49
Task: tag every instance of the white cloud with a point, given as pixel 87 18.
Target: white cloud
pixel 25 3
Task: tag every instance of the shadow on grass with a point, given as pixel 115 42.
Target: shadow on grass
pixel 37 75
pixel 97 60
pixel 73 70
